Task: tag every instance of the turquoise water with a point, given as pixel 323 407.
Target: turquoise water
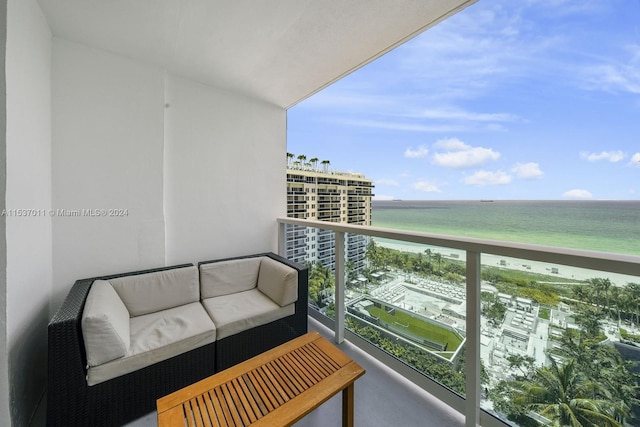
pixel 606 226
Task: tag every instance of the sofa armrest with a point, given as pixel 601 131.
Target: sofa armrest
pixel 302 303
pixel 67 359
pixel 105 324
pixel 278 281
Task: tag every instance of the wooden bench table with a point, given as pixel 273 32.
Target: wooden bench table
pixel 275 388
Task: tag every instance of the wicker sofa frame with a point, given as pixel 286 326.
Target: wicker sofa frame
pixel 71 402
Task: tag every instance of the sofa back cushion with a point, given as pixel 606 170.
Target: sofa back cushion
pixel 105 324
pixel 228 277
pixel 160 290
pixel 278 281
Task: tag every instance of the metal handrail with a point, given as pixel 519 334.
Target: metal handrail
pixel 602 261
pixel 473 247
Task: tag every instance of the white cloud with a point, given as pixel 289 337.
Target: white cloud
pixel 488 178
pixel 460 155
pixel 421 151
pixel 389 182
pixel 569 7
pixel 577 194
pixel 426 186
pixel 527 170
pixel 612 79
pixel 618 75
pixel 612 156
pixel 451 144
pixel 396 125
pixel 458 114
pixel 635 159
pixel 475 50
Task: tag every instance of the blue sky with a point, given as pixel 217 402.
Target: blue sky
pixel 527 99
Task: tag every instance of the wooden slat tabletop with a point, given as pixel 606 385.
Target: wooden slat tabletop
pixel 278 387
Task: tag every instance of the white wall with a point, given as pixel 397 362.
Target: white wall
pixel 28 186
pixel 200 170
pixel 4 353
pixel 225 179
pixel 107 154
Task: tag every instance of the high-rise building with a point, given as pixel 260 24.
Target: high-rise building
pixel 327 196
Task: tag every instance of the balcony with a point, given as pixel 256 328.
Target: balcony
pixel 531 327
pixel 402 403
pixel 395 393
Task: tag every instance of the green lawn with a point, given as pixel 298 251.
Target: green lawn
pixel 545 313
pixel 419 327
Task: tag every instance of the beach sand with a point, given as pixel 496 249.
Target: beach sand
pixel 561 271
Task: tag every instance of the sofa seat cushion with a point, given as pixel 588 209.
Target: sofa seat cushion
pixel 159 290
pixel 237 312
pixel 159 336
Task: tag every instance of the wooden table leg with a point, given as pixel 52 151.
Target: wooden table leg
pixel 347 405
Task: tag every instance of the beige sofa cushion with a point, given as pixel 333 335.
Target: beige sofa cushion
pixel 105 324
pixel 237 312
pixel 160 290
pixel 278 281
pixel 159 336
pixel 228 277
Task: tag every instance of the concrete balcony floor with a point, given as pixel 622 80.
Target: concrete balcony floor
pixel 383 398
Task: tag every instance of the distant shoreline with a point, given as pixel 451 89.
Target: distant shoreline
pixel 564 271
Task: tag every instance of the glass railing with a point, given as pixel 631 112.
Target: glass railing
pixel 489 327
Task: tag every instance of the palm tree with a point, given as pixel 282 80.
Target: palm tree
pixel 289 158
pixel 325 165
pixel 429 253
pixel 314 162
pixel 601 285
pixel 350 270
pixel 590 320
pixel 582 293
pixel 633 290
pixel 374 255
pixel 563 395
pixel 301 159
pixel 438 257
pixel 619 300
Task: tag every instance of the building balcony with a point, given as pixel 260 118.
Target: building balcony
pixel 329 217
pixel 296 211
pixel 295 236
pixel 325 196
pixel 329 207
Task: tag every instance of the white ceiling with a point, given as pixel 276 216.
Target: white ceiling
pixel 281 51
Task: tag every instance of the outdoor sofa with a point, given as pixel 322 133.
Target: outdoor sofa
pixel 181 324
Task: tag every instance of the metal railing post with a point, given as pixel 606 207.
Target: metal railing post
pixel 472 398
pixel 339 295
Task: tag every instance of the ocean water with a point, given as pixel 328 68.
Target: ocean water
pixel 605 226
